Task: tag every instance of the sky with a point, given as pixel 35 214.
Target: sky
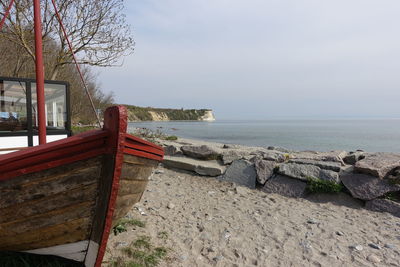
pixel 263 59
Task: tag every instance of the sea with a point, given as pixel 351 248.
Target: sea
pixel 372 135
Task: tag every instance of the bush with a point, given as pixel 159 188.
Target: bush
pixel 315 185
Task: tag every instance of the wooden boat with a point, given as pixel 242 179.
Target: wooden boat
pixel 62 198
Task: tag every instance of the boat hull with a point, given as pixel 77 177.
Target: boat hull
pixel 62 198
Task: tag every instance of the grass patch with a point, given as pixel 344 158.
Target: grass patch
pixel 162 235
pixel 124 222
pixel 171 138
pixel 315 185
pixel 393 196
pixel 141 253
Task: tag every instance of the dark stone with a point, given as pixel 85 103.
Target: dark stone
pixel 285 186
pixel 367 187
pixel 200 152
pixel 241 172
pixel 280 149
pixel 303 172
pixel 171 150
pixel 378 164
pixel 326 165
pixel 353 157
pixel 264 169
pixel 384 205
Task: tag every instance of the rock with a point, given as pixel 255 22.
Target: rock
pixel 230 146
pixel 170 206
pixel 264 169
pixel 303 172
pixel 158 171
pixel 390 246
pixel 332 156
pixel 326 165
pixel 206 168
pixel 312 221
pixel 274 156
pixel 171 150
pixel 357 247
pixel 200 152
pixel 280 149
pixel 230 156
pixel 375 246
pixel 373 258
pixel 241 172
pixel 378 164
pixel 367 187
pixel 285 186
pixel 353 157
pixel 339 233
pixel 384 205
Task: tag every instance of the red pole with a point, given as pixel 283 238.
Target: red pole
pixel 39 72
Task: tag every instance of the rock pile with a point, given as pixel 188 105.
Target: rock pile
pixel 371 177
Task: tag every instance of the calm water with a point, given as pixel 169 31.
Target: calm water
pixel 321 135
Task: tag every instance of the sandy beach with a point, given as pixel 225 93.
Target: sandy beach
pixel 205 222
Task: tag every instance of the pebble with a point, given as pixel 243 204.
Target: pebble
pixel 158 171
pixel 211 192
pixel 375 246
pixel 391 246
pixel 312 221
pixel 357 247
pixel 339 233
pixel 170 206
pixel 373 258
pixel 218 258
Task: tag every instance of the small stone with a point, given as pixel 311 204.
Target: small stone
pixel 375 246
pixel 170 206
pixel 158 171
pixel 120 244
pixel 357 247
pixel 339 233
pixel 373 258
pixel 211 192
pixel 391 246
pixel 312 221
pixel 218 258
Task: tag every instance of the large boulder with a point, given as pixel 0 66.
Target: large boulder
pixel 332 156
pixel 241 172
pixel 384 205
pixel 231 155
pixel 305 171
pixel 274 156
pixel 326 165
pixel 200 152
pixel 285 186
pixel 171 150
pixel 378 164
pixel 264 170
pixel 367 187
pixel 206 168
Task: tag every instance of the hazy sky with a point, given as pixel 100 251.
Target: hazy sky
pixel 263 58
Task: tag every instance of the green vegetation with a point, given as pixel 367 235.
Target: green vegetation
pixel 171 138
pixel 140 253
pixel 162 235
pixel 124 222
pixel 315 185
pixel 393 196
pixel 143 113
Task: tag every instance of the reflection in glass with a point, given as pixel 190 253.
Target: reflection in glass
pixel 13 115
pixel 56 112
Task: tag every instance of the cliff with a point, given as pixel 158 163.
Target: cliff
pixel 136 113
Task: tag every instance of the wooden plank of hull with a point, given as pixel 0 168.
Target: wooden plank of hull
pixel 133 181
pixel 52 207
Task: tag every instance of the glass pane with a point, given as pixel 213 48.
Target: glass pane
pixel 56 111
pixel 13 116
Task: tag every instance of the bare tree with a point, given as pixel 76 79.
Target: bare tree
pixel 97 29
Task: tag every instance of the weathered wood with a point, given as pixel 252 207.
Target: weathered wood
pixel 132 187
pixel 124 205
pixel 45 204
pixel 68 232
pixel 49 182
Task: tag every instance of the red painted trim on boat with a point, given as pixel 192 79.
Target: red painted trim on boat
pixel 130 137
pixel 142 154
pixel 115 120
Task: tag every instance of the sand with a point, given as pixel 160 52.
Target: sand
pixel 213 223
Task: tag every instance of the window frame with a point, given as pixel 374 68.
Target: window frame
pixel 30 133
